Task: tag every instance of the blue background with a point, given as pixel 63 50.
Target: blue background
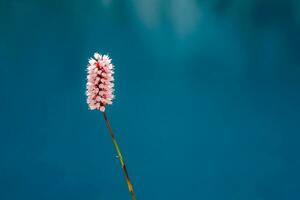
pixel 207 99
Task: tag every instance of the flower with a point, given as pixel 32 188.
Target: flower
pixel 99 87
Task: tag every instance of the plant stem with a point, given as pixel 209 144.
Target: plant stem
pixel 129 184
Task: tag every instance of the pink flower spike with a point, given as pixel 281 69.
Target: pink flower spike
pixel 99 86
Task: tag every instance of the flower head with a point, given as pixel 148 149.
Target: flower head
pixel 99 87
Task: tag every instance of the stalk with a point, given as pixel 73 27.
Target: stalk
pixel 129 184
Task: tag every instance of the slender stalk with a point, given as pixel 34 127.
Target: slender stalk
pixel 129 184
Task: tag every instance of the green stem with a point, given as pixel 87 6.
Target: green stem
pixel 129 184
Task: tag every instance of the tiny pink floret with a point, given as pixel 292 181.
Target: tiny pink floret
pixel 100 86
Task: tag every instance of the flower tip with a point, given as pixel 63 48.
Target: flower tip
pixel 97 56
pixel 92 61
pixel 102 108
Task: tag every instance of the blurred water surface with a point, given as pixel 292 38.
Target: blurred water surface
pixel 207 100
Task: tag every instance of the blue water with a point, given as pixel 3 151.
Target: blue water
pixel 207 100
